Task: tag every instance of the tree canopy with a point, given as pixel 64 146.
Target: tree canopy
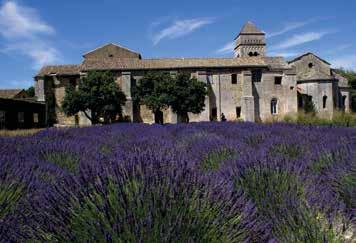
pixel 186 95
pixel 97 96
pixel 30 91
pixel 182 93
pixel 152 90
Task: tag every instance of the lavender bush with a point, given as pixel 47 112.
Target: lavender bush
pixel 203 182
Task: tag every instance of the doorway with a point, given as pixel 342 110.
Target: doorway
pixel 159 117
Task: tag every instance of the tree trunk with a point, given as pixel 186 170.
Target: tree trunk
pixel 183 117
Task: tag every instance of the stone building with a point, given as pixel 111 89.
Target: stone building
pixel 17 110
pixel 249 86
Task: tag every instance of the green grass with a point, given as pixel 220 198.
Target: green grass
pixel 338 119
pixel 214 160
pixel 19 133
pixel 64 160
pixel 10 195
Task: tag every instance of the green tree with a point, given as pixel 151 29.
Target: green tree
pixel 152 91
pixel 187 94
pixel 159 90
pixel 97 96
pixel 30 91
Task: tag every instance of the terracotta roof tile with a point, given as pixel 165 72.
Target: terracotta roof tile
pixel 60 69
pixel 9 93
pixel 161 64
pixel 171 63
pixel 250 28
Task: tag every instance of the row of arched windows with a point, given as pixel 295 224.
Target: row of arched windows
pixel 253 54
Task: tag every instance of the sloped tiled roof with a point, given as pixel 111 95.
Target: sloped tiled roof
pixel 250 28
pixel 170 63
pixel 59 69
pixel 111 44
pixel 161 64
pixel 306 54
pixel 9 93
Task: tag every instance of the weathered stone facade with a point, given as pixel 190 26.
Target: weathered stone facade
pixel 249 87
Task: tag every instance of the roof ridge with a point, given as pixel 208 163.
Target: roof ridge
pixel 306 54
pixel 111 43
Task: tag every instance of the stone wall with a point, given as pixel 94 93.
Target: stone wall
pixel 225 95
pixel 318 68
pixel 60 84
pixel 241 99
pixel 285 93
pixel 319 90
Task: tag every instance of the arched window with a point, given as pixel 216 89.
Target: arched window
pixel 250 53
pixel 325 98
pixel 310 65
pixel 255 54
pixel 274 106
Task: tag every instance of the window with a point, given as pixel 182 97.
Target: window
pixel 324 101
pixel 250 53
pixel 255 54
pixel 111 55
pixel 238 112
pixel 310 65
pixel 274 106
pixel 278 80
pixel 21 117
pixel 234 78
pixel 256 76
pixel 35 118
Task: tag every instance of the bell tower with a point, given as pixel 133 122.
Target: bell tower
pixel 250 42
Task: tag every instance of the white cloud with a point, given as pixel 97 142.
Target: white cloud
pixel 25 33
pixel 348 62
pixel 227 48
pixel 300 39
pixel 291 26
pixel 18 21
pixel 40 52
pixel 180 28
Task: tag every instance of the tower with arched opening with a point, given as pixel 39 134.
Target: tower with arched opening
pixel 250 42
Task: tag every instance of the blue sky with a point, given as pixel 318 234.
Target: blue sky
pixel 34 33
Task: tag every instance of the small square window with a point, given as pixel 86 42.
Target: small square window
pixel 234 78
pixel 278 80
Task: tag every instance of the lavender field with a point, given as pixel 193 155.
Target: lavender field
pixel 203 182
